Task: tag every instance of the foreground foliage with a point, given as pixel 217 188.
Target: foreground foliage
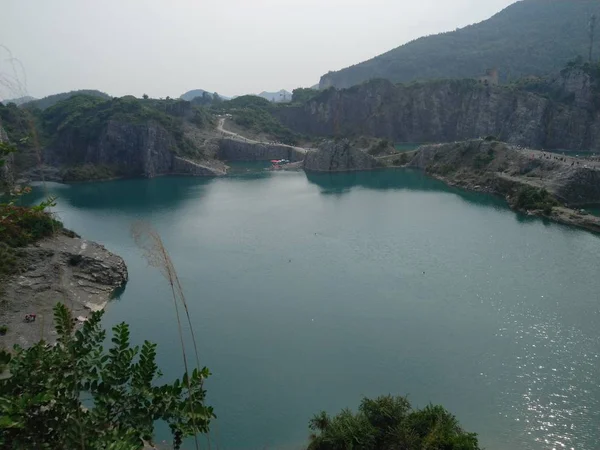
pixel 388 423
pixel 77 395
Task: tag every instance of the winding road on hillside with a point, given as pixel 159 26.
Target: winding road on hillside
pixel 220 127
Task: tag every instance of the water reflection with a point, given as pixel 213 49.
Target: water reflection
pixel 395 179
pixel 131 195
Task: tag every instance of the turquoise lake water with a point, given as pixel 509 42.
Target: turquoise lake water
pixel 309 292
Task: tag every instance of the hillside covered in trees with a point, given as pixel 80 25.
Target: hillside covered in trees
pixel 52 100
pixel 530 37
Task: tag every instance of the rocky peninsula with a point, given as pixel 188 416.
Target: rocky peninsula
pixel 549 185
pixel 64 268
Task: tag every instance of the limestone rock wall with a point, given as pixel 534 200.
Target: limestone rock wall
pixel 133 150
pixel 452 110
pixel 7 177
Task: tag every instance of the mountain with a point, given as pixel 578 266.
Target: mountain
pixel 190 95
pixel 52 100
pixel 530 37
pixel 19 100
pixel 281 96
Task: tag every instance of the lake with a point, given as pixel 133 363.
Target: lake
pixel 309 292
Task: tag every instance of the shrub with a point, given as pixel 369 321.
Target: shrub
pixel 43 397
pixel 482 159
pixel 8 259
pixel 379 148
pixel 387 423
pixel 21 226
pixel 531 198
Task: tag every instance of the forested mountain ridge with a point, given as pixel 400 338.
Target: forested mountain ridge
pixel 51 100
pixel 530 37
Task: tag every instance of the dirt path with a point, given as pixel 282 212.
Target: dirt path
pixel 221 128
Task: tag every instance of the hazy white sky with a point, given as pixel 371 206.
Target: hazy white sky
pixel 167 47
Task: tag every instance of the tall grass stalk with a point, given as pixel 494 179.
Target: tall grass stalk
pixel 157 256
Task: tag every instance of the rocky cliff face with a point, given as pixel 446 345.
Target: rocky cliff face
pixel 338 156
pixel 131 150
pixel 237 150
pixel 443 111
pixel 6 171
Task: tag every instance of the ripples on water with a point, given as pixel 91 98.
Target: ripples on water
pixel 555 390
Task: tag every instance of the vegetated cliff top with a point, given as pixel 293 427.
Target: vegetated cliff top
pixel 86 116
pixel 18 100
pixel 277 97
pixel 530 37
pixel 51 100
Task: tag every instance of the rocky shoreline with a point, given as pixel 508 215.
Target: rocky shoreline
pixel 81 274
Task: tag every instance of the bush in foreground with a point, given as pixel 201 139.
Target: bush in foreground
pixel 77 395
pixel 390 423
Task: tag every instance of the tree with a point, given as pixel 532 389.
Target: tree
pixel 78 395
pixel 145 96
pixel 302 95
pixel 216 99
pixel 389 423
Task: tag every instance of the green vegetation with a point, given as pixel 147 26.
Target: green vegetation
pixel 483 159
pixel 52 100
pixel 3 330
pixel 518 41
pixel 85 117
pixel 531 198
pixel 303 95
pixel 255 113
pixel 401 160
pixel 380 147
pixel 9 260
pixel 77 394
pixel 390 423
pixel 20 126
pixel 89 172
pixel 20 225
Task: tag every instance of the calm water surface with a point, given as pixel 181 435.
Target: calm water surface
pixel 310 292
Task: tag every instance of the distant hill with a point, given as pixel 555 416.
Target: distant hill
pixel 281 96
pixel 530 37
pixel 190 95
pixel 52 100
pixel 19 100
